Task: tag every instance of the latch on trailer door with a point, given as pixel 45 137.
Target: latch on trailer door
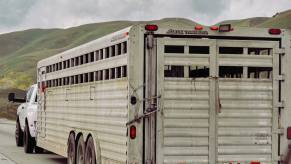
pixel 149 112
pixel 141 117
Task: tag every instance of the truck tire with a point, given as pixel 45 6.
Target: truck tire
pixel 81 151
pixel 18 134
pixel 38 150
pixel 90 156
pixel 29 142
pixel 71 149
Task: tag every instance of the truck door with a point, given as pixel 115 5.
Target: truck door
pixel 218 101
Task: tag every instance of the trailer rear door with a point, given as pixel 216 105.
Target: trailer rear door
pixel 219 101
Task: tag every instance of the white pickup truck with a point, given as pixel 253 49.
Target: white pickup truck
pixel 25 130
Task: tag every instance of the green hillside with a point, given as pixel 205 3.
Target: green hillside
pixel 250 22
pixel 20 51
pixel 279 20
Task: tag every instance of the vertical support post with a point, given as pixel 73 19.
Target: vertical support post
pixel 213 87
pixel 160 92
pixel 275 112
pixel 186 68
pixel 245 69
pixel 151 103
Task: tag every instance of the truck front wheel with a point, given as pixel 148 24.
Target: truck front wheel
pixel 29 142
pixel 18 134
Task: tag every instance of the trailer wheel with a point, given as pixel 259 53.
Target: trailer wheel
pixel 90 156
pixel 81 151
pixel 29 142
pixel 18 134
pixel 71 149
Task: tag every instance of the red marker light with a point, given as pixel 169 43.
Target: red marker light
pixel 198 27
pixel 43 88
pixel 132 132
pixel 151 27
pixel 255 162
pixel 214 28
pixel 289 133
pixel 275 31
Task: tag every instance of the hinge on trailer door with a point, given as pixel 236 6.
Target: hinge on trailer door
pixel 279 158
pixel 280 104
pixel 279 131
pixel 280 77
pixel 280 51
pixel 149 161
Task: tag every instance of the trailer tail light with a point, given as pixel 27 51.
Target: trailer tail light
pixel 151 27
pixel 214 28
pixel 289 133
pixel 275 31
pixel 225 28
pixel 255 162
pixel 132 132
pixel 198 27
pixel 43 87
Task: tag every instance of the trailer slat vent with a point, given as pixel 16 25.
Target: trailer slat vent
pixel 230 50
pixel 198 49
pixel 174 49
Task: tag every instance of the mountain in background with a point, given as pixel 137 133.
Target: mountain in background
pixel 279 20
pixel 20 51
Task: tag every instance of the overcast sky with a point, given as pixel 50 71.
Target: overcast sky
pixel 25 14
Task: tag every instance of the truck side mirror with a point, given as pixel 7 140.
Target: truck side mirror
pixel 11 97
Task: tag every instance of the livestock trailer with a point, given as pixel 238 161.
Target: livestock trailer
pixel 180 94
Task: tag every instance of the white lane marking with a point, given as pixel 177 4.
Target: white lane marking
pixel 5 160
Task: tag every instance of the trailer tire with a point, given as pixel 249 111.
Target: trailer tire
pixel 81 151
pixel 29 142
pixel 71 149
pixel 38 150
pixel 90 156
pixel 18 134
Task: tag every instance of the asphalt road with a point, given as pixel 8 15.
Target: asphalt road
pixel 11 154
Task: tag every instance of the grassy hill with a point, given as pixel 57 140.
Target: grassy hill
pixel 20 51
pixel 279 20
pixel 250 22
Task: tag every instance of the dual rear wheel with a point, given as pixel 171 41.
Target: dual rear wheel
pixel 81 153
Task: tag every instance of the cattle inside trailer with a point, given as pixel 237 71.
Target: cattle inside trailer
pixel 149 94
